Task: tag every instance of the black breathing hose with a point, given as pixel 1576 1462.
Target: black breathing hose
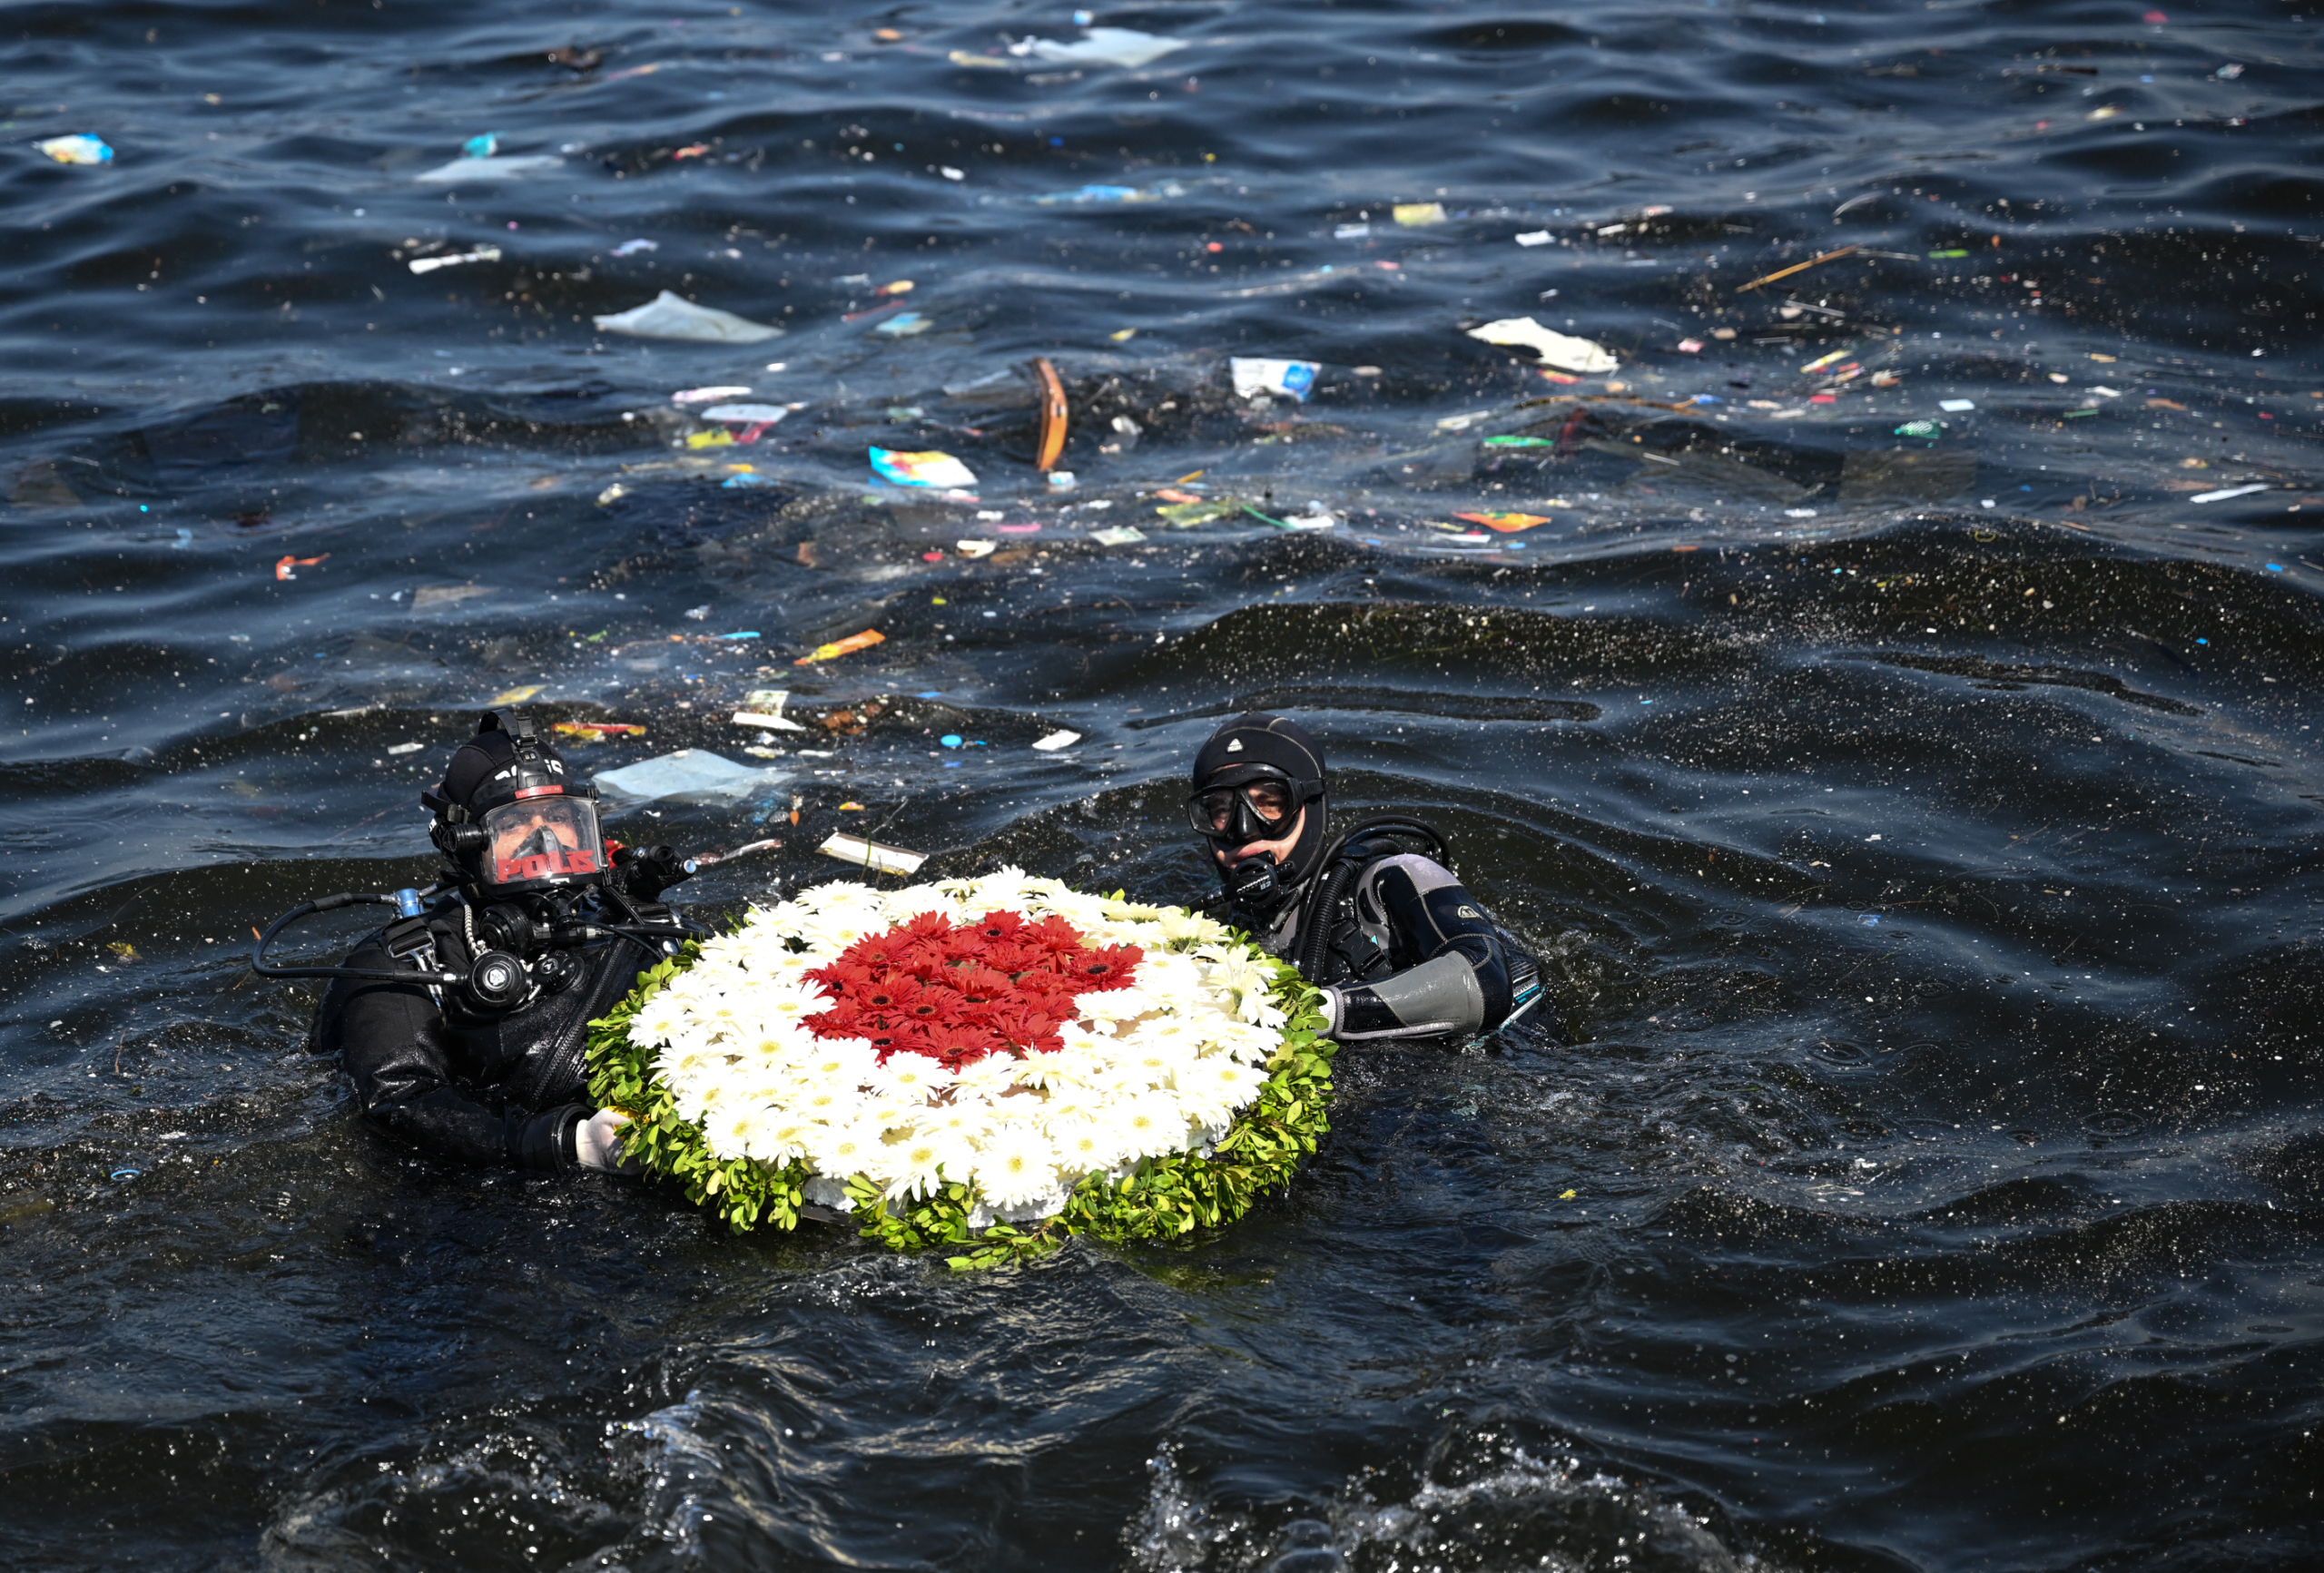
pixel 362 974
pixel 1315 926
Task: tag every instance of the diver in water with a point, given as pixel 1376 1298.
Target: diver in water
pixel 464 1024
pixel 1399 949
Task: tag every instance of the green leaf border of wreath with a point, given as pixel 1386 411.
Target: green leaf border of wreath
pixel 1160 1199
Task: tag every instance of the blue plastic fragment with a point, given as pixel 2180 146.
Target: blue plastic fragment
pixel 126 1174
pixel 1871 919
pixel 950 740
pixel 2203 641
pixel 749 633
pixel 2275 568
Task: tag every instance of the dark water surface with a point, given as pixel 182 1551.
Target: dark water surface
pixel 1921 828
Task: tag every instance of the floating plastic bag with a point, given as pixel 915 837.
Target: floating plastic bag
pixel 1294 377
pixel 940 470
pixel 668 316
pixel 461 169
pixel 691 773
pixel 1105 46
pixel 76 149
pixel 1560 350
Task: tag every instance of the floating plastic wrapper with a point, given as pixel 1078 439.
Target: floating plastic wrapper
pixel 1252 377
pixel 1505 522
pixel 668 316
pixel 839 647
pixel 457 259
pixel 461 170
pixel 76 149
pixel 691 773
pixel 872 855
pixel 1124 46
pixel 940 470
pixel 762 708
pixel 1559 350
pixel 1056 740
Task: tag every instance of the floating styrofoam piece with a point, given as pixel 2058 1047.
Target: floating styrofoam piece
pixel 490 169
pixel 668 316
pixel 1056 740
pixel 429 264
pixel 690 773
pixel 1252 376
pixel 1107 46
pixel 747 414
pixel 1561 350
pixel 870 855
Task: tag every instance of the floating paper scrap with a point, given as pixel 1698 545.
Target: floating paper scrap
pixel 872 855
pixel 76 149
pixel 489 168
pixel 839 647
pixel 1103 47
pixel 1056 740
pixel 940 470
pixel 1560 350
pixel 2220 497
pixel 747 414
pixel 668 316
pixel 762 708
pixel 1504 522
pixel 688 773
pixel 1294 377
pixel 1413 214
pixel 1117 535
pixel 481 255
pixel 709 395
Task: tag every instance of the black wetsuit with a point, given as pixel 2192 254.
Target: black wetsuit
pixel 1409 953
pixel 485 1089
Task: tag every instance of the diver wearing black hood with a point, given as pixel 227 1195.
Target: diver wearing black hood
pixel 546 925
pixel 1398 947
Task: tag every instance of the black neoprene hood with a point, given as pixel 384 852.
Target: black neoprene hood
pixel 1259 739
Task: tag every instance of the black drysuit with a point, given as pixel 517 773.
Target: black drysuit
pixel 1411 954
pixel 485 1089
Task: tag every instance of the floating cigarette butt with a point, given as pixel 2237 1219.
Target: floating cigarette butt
pixel 872 855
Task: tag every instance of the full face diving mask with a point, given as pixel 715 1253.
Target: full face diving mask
pixel 525 826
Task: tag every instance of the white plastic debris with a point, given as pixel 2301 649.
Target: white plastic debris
pixel 2220 497
pixel 1124 46
pixel 747 414
pixel 870 855
pixel 690 773
pixel 1117 535
pixel 1534 238
pixel 1955 405
pixel 763 707
pixel 1561 350
pixel 76 149
pixel 481 255
pixel 1056 740
pixel 490 169
pixel 1254 377
pixel 718 394
pixel 402 748
pixel 668 316
pixel 972 547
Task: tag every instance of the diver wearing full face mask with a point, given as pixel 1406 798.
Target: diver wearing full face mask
pixel 464 1023
pixel 1400 950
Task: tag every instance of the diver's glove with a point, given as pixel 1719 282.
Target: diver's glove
pixel 596 1143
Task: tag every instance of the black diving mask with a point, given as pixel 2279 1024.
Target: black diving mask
pixel 1261 803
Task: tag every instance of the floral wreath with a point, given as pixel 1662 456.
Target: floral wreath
pixel 991 1064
